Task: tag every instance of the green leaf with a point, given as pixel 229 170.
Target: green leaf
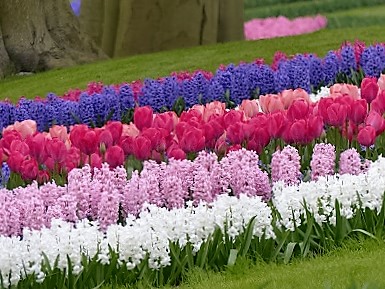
pixel 289 252
pixel 232 257
pixel 248 237
pixel 365 233
pixel 381 219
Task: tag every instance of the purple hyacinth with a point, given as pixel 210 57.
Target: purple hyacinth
pixel 243 175
pixel 285 166
pixel 350 162
pixel 323 160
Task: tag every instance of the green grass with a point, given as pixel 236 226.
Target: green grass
pixel 163 63
pixel 302 8
pixel 360 262
pixel 357 17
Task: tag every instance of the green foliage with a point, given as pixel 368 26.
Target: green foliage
pixel 303 8
pixel 260 3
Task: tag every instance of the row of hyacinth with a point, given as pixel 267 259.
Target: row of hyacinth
pixel 105 195
pixel 232 83
pixel 150 235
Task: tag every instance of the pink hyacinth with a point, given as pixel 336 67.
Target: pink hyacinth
pixel 108 208
pixel 350 162
pixel 150 180
pixel 323 160
pixel 286 165
pixel 243 174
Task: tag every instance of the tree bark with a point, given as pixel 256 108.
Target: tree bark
pixel 42 34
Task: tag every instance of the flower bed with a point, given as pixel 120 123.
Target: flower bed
pixel 275 178
pixel 281 26
pixel 230 84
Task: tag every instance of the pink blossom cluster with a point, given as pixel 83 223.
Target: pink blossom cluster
pixel 106 195
pixel 281 26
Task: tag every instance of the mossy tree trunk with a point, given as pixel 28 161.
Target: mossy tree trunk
pixel 42 34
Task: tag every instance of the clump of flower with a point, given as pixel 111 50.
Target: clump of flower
pixel 286 165
pixel 323 160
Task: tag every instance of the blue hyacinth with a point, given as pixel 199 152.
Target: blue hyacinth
pixel 152 95
pixel 201 84
pixel 265 80
pixel 316 72
pixel 126 98
pixel 300 72
pixel 372 60
pixel 5 175
pixel 215 91
pixel 282 79
pixel 171 91
pixel 348 60
pixel 331 66
pixel 112 103
pixel 86 109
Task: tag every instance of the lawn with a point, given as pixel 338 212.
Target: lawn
pixel 163 63
pixel 359 263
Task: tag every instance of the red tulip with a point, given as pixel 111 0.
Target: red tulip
pixel 106 138
pixel 143 117
pixel 29 169
pixel 260 140
pixel 36 146
pixel 88 142
pixel 299 109
pixel 158 142
pixel 20 146
pixel 176 153
pixel 315 126
pixel 231 117
pixel 77 133
pixel 296 132
pixel 165 120
pixel 7 139
pixel 127 144
pixel 358 111
pixel 276 124
pixel 15 160
pixel 142 147
pixel 369 89
pixel 235 133
pixel 115 156
pixel 57 150
pixel 193 140
pixel 366 136
pixel 336 114
pixel 95 161
pixel 116 130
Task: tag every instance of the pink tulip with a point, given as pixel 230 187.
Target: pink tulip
pixel 271 102
pixel 381 82
pixel 288 96
pixel 115 156
pixel 143 117
pixel 142 148
pixel 249 107
pixel 345 89
pixel 26 127
pixel 193 140
pixel 130 130
pixel 59 131
pixel 366 136
pixel 369 89
pixel 29 169
pixel 57 150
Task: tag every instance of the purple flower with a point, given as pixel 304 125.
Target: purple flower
pixel 285 166
pixel 75 5
pixel 323 160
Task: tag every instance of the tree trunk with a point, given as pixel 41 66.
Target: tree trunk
pixel 42 34
pixel 231 20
